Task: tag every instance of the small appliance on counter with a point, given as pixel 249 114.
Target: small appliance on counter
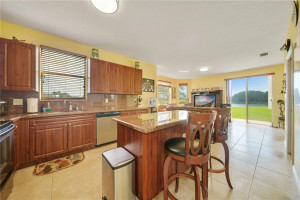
pixel 152 107
pixel 3 107
pixel 32 105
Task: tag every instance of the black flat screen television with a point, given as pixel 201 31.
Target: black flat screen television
pixel 205 101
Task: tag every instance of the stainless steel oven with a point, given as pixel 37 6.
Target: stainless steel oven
pixel 6 151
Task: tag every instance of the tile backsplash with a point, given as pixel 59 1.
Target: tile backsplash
pixel 93 101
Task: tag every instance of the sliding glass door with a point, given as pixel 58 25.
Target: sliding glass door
pixel 259 99
pixel 238 99
pixel 251 99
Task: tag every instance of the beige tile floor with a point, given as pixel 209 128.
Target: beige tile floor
pixel 259 169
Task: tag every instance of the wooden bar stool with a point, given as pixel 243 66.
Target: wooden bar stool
pixel 220 135
pixel 191 151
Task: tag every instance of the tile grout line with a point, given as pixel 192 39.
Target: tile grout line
pixel 256 164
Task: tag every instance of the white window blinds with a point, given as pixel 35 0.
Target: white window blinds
pixel 63 74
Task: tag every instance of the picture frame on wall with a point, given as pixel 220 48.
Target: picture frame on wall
pixel 148 85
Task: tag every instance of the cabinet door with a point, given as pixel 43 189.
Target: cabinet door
pixel 114 78
pixel 82 134
pixel 138 81
pixel 98 76
pixel 94 77
pixel 125 79
pixel 48 140
pixel 142 111
pixel 18 65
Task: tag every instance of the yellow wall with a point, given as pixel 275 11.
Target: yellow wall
pixel 7 30
pixel 219 81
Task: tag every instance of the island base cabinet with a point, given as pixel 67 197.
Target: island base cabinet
pixel 81 134
pixel 148 149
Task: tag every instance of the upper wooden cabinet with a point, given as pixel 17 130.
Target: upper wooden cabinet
pixel 18 62
pixel 138 81
pixel 111 78
pixel 114 78
pixel 98 76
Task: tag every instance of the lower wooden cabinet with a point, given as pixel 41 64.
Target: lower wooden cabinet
pixel 16 144
pixel 53 136
pixel 48 140
pixel 81 134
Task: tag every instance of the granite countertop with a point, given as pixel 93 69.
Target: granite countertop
pixel 15 117
pixel 151 122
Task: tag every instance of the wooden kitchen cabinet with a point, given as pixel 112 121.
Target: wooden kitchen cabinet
pixel 52 137
pixel 138 81
pixel 112 78
pixel 98 76
pixel 134 112
pixel 16 144
pixel 81 134
pixel 48 140
pixel 21 142
pixel 18 61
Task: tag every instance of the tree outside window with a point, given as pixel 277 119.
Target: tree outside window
pixel 163 95
pixel 183 93
pixel 164 92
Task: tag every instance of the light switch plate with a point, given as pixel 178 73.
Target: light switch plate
pixel 17 102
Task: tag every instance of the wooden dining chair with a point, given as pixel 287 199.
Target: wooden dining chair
pixel 191 151
pixel 220 135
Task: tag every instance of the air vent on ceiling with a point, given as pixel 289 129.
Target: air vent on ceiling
pixel 263 54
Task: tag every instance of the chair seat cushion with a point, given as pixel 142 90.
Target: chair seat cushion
pixel 177 146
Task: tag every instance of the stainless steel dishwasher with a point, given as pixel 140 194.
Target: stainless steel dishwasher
pixel 106 127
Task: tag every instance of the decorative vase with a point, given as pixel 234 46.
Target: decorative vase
pixel 95 53
pixel 137 64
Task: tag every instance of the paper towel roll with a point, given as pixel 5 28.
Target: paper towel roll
pixel 32 105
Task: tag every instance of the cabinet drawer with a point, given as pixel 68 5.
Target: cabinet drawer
pixel 141 111
pixel 60 119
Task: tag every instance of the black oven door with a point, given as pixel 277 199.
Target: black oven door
pixel 6 152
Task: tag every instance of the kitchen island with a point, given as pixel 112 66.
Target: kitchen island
pixel 144 136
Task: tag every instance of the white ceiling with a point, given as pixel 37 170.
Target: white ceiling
pixel 177 35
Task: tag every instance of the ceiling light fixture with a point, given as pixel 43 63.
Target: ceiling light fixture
pixel 203 69
pixel 106 6
pixel 183 71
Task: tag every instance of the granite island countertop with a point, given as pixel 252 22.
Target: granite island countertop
pixel 15 117
pixel 150 122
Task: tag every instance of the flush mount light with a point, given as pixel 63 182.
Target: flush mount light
pixel 203 69
pixel 183 71
pixel 106 6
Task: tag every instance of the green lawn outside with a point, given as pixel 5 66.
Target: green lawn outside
pixel 254 113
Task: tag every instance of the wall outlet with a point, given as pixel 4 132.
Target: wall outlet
pixel 17 102
pixel 106 100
